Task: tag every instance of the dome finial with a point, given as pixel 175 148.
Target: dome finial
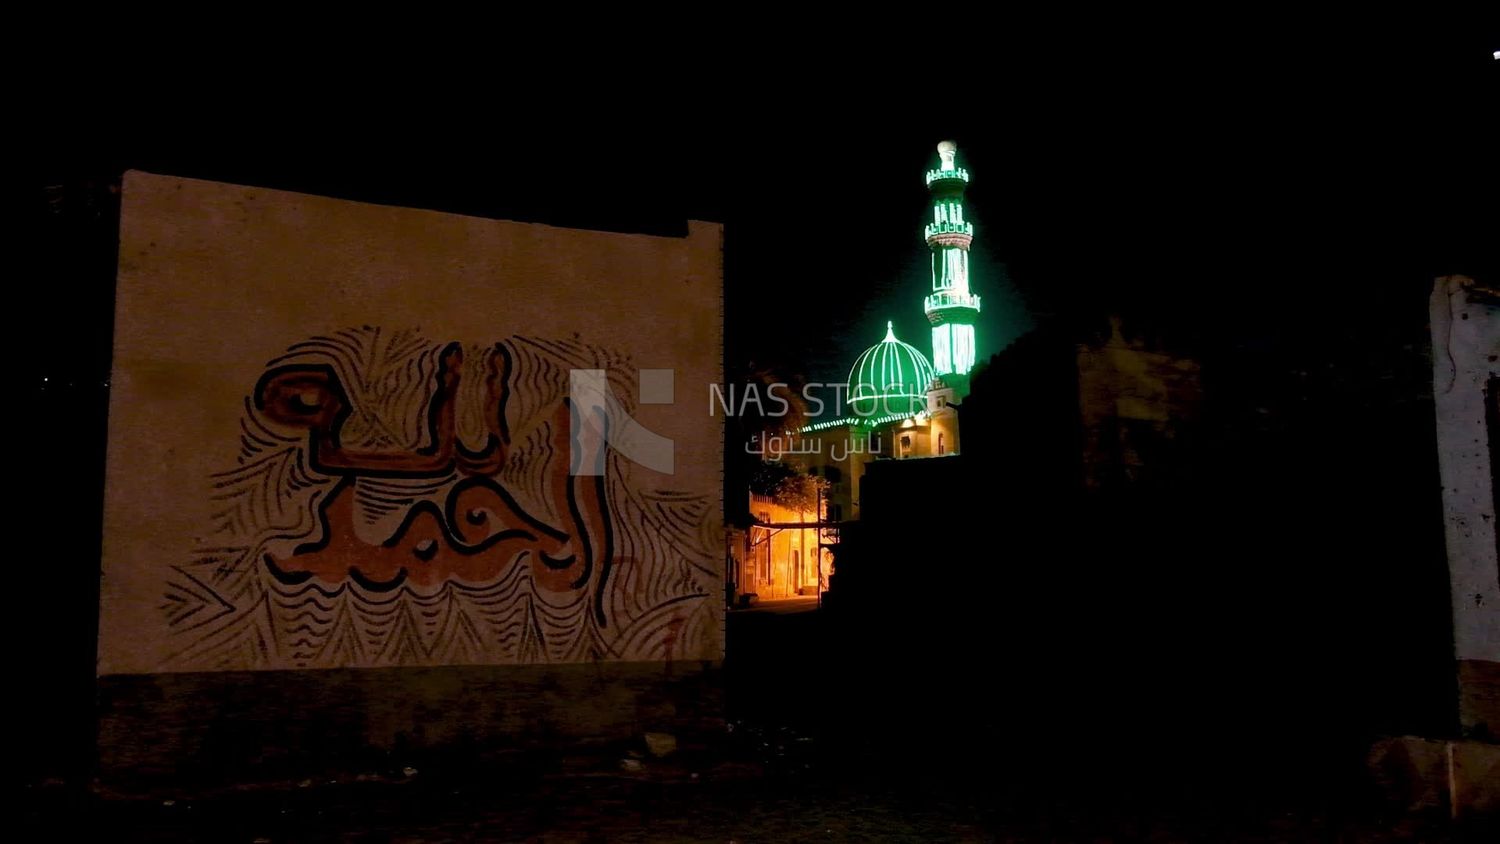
pixel 946 151
pixel 890 331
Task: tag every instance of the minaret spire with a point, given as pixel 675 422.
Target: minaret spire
pixel 951 308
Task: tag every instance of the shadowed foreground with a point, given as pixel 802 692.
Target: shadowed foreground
pixel 816 749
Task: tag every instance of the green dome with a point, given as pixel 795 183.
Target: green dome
pixel 891 377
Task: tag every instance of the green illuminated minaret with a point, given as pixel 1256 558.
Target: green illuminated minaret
pixel 951 308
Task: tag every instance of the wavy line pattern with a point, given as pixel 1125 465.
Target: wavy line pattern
pixel 227 612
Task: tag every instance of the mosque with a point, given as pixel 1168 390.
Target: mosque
pixel 899 404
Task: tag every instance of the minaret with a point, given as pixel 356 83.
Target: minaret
pixel 951 308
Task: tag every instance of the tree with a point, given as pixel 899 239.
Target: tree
pixel 787 486
pixel 752 421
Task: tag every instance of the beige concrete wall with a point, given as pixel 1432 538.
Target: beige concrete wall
pixel 177 735
pixel 1466 346
pixel 338 437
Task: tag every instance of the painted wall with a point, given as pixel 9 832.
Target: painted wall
pixel 1465 351
pixel 340 436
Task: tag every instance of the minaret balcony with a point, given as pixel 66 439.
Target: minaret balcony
pixel 945 299
pixel 949 234
pixel 949 228
pixel 957 174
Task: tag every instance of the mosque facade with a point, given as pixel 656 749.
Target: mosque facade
pixel 899 404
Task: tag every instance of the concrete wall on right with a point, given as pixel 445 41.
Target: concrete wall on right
pixel 1466 371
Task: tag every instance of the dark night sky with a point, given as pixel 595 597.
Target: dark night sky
pixel 1235 170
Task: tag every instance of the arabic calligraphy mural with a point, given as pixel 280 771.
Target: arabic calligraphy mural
pixel 398 500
